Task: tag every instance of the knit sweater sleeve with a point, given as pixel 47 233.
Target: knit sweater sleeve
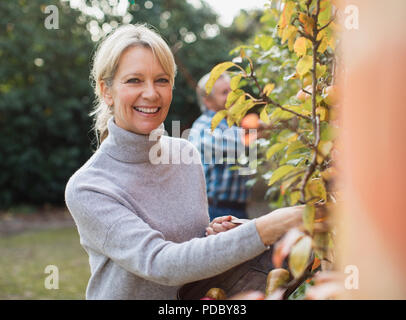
pixel 120 234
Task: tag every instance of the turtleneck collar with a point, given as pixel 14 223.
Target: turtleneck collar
pixel 128 146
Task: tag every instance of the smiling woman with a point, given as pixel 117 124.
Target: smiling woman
pixel 140 93
pixel 133 68
pixel 143 223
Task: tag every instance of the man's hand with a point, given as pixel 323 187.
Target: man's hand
pixel 220 224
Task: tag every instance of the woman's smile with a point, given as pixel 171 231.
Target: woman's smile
pixel 148 111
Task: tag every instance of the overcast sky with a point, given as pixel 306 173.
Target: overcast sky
pixel 228 9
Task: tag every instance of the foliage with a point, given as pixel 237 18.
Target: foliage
pixel 45 98
pixel 287 76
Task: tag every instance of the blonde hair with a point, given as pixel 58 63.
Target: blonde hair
pixel 105 65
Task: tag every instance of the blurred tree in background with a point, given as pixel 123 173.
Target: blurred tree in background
pixel 45 92
pixel 44 102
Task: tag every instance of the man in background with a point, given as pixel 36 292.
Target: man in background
pixel 226 189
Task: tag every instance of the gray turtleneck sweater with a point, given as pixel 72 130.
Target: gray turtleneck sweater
pixel 143 222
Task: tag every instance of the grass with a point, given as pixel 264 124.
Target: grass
pixel 24 257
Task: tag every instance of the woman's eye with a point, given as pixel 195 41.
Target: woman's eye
pixel 163 80
pixel 133 80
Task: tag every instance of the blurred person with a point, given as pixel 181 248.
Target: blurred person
pixel 143 224
pixel 226 188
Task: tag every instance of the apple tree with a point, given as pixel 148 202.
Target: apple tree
pixel 286 74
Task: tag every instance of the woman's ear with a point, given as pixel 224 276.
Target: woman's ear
pixel 106 93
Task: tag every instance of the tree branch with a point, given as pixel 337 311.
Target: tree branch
pixel 328 23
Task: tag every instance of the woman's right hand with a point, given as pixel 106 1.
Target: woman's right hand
pixel 276 223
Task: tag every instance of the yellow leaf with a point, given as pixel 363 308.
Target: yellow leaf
pixel 283 246
pixel 274 149
pixel 299 256
pixel 325 147
pixel 300 46
pixel 242 53
pixel 275 279
pixel 280 173
pixel 268 89
pixel 235 81
pixel 264 116
pixel 215 73
pixel 286 14
pixel 308 23
pixel 320 70
pixel 332 43
pixel 217 119
pixel 230 121
pixel 293 146
pixel 308 218
pixel 237 107
pixel 294 198
pixel 304 65
pixel 291 40
pixel 316 191
pixel 321 243
pixel 325 12
pixel 323 45
pixel 233 96
pixel 323 113
pixel 287 32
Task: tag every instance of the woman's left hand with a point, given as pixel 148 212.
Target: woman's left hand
pixel 220 224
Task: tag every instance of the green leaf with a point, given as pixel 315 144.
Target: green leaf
pixel 280 173
pixel 298 157
pixel 293 146
pixel 320 70
pixel 304 65
pixel 216 72
pixel 274 149
pixel 308 218
pixel 217 119
pixel 264 41
pixel 328 132
pixel 299 256
pixel 325 12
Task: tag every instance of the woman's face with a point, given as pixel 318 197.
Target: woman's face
pixel 141 92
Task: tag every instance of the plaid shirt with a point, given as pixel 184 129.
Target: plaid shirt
pixel 219 152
